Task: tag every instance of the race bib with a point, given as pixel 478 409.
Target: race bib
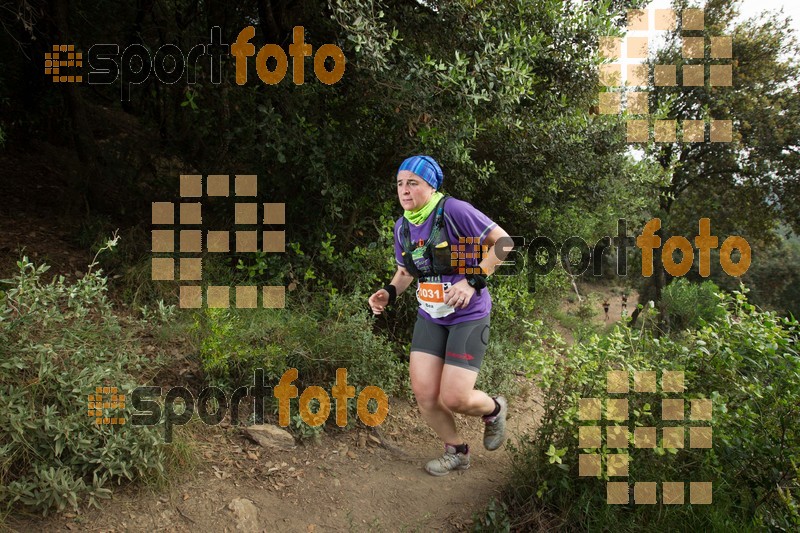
pixel 431 299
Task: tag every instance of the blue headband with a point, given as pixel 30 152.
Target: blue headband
pixel 426 168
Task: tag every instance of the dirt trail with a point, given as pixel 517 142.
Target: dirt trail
pixel 347 482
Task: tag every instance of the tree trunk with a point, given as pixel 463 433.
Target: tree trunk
pixel 273 33
pixel 82 136
pixel 655 284
pixel 659 282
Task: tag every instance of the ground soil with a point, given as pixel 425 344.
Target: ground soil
pixel 346 482
pixel 30 218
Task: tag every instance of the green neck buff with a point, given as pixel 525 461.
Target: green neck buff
pixel 420 215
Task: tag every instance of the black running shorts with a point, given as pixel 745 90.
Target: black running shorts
pixel 461 344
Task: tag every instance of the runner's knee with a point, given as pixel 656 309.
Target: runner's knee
pixel 427 402
pixel 454 400
pixel 427 396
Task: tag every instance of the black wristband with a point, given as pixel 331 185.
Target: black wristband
pixel 392 290
pixel 476 281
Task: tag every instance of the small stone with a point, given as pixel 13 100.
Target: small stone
pixel 245 514
pixel 270 436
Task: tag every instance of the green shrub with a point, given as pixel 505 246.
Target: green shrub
pixel 494 518
pixel 588 308
pixel 314 334
pixel 689 305
pixel 746 362
pixel 512 306
pixel 60 340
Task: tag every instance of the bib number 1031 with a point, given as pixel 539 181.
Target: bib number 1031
pixel 431 294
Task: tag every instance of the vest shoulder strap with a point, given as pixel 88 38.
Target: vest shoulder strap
pixel 439 222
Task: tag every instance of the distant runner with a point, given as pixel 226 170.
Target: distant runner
pixel 452 329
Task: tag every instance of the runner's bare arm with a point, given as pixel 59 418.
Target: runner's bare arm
pixel 401 279
pixel 380 298
pixel 494 256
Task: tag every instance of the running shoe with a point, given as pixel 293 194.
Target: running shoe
pixel 494 434
pixel 451 460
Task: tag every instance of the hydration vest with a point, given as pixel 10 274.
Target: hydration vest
pixel 436 250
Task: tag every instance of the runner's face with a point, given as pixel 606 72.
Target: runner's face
pixel 413 191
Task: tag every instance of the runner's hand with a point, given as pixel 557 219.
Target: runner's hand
pixel 378 301
pixel 459 295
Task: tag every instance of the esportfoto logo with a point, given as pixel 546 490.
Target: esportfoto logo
pixel 194 240
pixel 135 64
pixel 212 405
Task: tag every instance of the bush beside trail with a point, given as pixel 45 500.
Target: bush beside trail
pixel 744 360
pixel 60 341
